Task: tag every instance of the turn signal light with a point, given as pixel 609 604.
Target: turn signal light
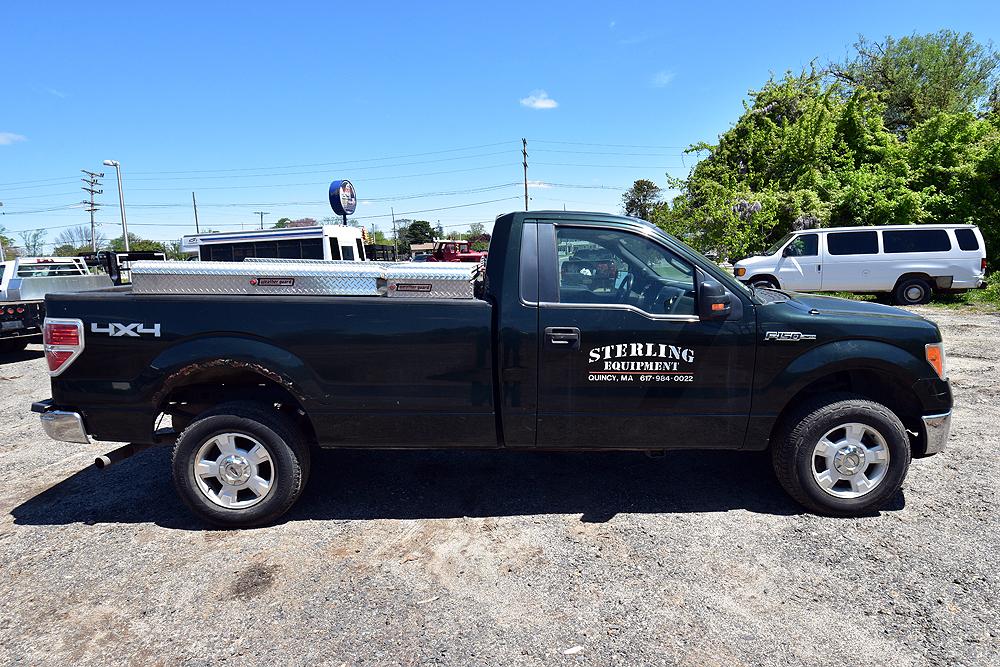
pixel 935 357
pixel 63 342
pixel 740 271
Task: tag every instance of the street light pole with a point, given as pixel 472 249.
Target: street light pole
pixel 121 198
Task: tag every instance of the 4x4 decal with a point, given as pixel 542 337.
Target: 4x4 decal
pixel 134 329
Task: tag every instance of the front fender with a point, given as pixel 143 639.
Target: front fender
pixel 776 388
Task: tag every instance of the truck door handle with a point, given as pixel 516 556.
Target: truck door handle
pixel 563 336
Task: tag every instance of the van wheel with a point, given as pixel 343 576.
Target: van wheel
pixel 912 292
pixel 240 465
pixel 842 455
pixel 764 282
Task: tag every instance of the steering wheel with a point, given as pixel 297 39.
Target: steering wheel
pixel 626 287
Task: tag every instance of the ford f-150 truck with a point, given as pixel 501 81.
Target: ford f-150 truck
pixel 589 331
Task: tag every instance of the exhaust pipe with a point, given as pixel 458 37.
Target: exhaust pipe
pixel 120 454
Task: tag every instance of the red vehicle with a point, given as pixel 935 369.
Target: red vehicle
pixel 454 251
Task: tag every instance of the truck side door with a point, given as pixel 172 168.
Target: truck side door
pixel 624 360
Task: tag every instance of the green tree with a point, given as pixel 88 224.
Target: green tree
pixel 919 76
pixel 32 242
pixel 418 231
pixel 8 244
pixel 641 199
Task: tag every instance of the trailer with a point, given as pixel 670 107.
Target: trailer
pixel 330 242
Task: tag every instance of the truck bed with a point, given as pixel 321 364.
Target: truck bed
pixel 369 371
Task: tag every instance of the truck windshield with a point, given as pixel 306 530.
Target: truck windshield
pixel 777 246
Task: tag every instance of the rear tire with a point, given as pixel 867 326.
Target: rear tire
pixel 842 455
pixel 240 465
pixel 912 292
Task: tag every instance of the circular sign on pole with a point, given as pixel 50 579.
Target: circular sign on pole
pixel 343 199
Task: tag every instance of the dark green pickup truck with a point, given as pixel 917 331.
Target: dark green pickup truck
pixel 589 331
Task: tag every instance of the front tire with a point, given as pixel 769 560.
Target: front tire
pixel 769 283
pixel 240 465
pixel 842 455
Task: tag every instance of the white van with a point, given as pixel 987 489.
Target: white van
pixel 910 262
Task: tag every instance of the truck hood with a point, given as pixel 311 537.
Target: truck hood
pixel 835 305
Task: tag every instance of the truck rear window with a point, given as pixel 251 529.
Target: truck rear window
pixel 852 243
pixel 967 239
pixel 916 240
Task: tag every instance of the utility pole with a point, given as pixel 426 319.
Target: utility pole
pixel 262 214
pixel 524 152
pixel 194 203
pixel 91 186
pixel 395 242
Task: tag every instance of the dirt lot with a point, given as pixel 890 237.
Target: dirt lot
pixel 462 558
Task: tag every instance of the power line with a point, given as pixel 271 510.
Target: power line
pixel 322 171
pixel 291 185
pixel 584 143
pixel 331 164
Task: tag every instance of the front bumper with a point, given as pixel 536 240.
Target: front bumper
pixel 61 425
pixel 937 428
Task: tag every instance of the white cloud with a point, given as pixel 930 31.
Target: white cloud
pixel 662 78
pixel 612 24
pixel 8 138
pixel 540 185
pixel 539 99
pixel 56 93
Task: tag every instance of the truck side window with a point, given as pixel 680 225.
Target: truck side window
pixel 606 266
pixel 806 245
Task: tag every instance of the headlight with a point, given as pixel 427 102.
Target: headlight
pixel 934 352
pixel 740 271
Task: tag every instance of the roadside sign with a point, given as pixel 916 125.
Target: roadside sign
pixel 343 199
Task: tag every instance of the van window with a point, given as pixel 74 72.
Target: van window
pixel 967 239
pixel 916 240
pixel 852 243
pixel 806 245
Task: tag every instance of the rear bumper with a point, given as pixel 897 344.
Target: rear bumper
pixel 61 425
pixel 937 428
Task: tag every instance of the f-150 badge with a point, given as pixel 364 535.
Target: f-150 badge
pixel 134 329
pixel 788 336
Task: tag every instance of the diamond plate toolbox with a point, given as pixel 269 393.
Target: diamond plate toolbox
pixel 308 278
pixel 257 278
pixel 417 280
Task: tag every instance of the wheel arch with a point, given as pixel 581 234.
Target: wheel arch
pixel 195 377
pixel 877 371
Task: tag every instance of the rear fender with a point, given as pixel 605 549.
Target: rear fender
pixel 182 363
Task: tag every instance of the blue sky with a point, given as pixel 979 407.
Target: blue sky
pixel 257 106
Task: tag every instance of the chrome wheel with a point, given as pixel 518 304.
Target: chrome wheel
pixel 234 470
pixel 850 461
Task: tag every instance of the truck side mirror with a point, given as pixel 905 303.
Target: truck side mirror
pixel 714 302
pixel 785 252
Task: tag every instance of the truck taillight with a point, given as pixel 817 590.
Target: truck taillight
pixel 63 339
pixel 982 265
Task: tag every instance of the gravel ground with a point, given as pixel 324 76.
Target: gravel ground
pixel 463 558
